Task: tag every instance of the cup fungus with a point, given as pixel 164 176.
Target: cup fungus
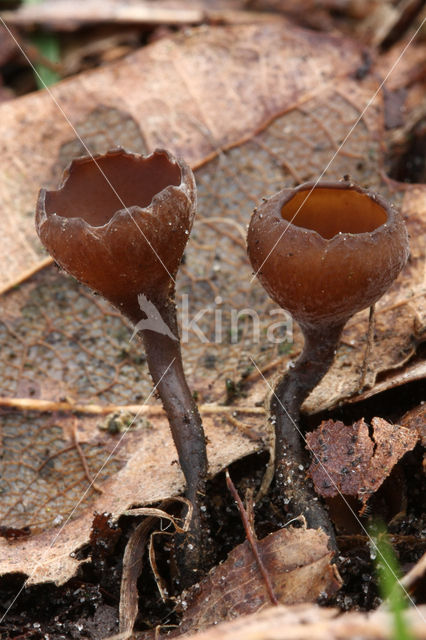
pixel 119 223
pixel 322 252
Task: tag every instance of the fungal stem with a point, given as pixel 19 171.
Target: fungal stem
pixel 291 460
pixel 164 355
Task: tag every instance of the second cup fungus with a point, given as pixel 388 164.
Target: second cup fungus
pixel 119 223
pixel 323 252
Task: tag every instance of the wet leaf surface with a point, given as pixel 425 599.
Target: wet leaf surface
pixel 350 461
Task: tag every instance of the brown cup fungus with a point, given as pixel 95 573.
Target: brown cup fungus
pixel 119 223
pixel 322 252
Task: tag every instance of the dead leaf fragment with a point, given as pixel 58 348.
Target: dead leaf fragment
pixel 416 419
pixel 149 475
pixel 298 563
pixel 307 621
pixel 65 14
pixel 348 461
pixel 69 15
pixel 134 554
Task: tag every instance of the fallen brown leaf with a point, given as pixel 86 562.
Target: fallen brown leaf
pixel 297 561
pixel 416 419
pixel 149 475
pixel 305 622
pixel 348 461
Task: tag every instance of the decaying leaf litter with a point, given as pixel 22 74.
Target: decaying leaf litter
pixel 241 175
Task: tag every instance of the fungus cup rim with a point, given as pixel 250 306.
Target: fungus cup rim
pixel 284 196
pixel 187 184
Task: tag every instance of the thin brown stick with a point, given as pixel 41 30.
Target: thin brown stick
pixel 251 537
pixel 33 404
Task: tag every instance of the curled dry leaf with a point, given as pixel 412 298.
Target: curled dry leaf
pixel 133 558
pixel 298 564
pixel 415 575
pixel 348 461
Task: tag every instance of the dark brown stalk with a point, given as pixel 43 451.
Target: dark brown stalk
pixel 291 458
pixel 165 365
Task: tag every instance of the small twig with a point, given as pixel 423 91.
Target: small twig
pixel 251 537
pixel 34 404
pixel 368 348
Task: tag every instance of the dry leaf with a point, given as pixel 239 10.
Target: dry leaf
pixel 305 622
pixel 416 419
pixel 133 559
pixel 64 15
pixel 150 475
pixel 348 461
pixel 415 574
pixel 298 564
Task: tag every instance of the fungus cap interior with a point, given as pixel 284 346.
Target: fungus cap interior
pixel 87 193
pixel 331 211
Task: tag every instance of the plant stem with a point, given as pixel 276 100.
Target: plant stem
pixel 291 459
pixel 165 365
